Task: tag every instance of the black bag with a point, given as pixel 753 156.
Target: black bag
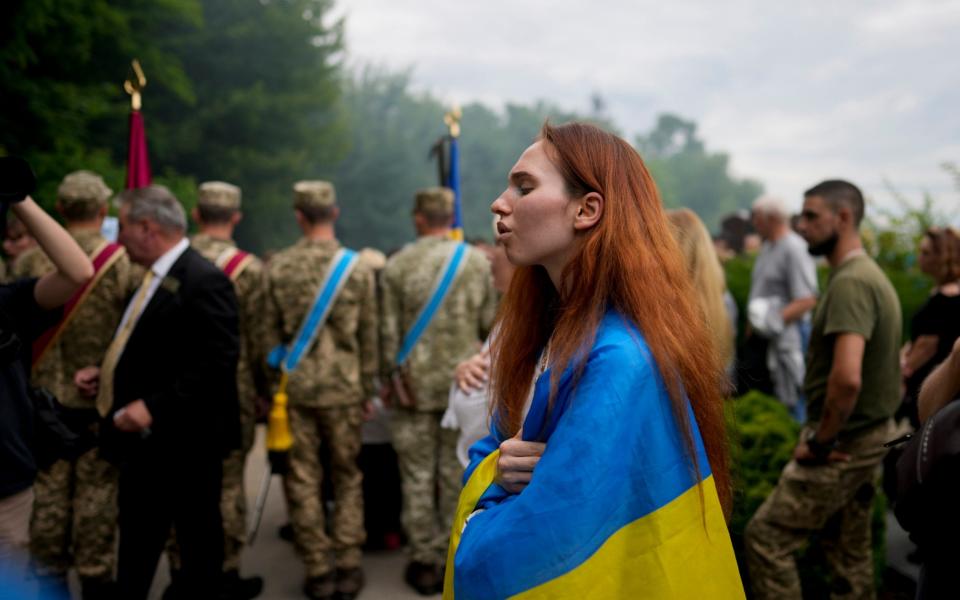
pixel 60 433
pixel 928 481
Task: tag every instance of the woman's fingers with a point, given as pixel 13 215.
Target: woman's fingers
pixel 517 462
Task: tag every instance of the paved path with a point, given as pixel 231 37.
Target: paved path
pixel 275 560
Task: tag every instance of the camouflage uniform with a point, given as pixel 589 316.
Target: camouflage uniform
pixel 427 452
pixel 250 285
pixel 75 514
pixel 326 392
pixel 835 499
pixel 808 499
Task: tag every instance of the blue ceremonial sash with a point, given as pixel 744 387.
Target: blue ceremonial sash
pixel 288 357
pixel 614 508
pixel 441 287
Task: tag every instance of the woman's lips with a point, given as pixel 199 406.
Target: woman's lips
pixel 502 229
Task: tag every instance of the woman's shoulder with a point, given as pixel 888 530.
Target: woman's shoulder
pixel 620 343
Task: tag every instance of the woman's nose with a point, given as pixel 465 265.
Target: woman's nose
pixel 500 206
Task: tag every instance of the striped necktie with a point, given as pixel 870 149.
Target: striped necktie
pixel 115 351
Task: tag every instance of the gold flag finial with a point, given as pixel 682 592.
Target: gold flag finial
pixel 452 119
pixel 133 85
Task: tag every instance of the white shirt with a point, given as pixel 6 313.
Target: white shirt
pixel 160 268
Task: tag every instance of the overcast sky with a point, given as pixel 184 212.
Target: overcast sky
pixel 794 92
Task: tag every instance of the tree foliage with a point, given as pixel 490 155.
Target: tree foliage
pixel 690 176
pixel 255 93
pixel 241 91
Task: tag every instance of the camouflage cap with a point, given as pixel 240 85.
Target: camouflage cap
pixel 434 200
pixel 83 189
pixel 314 194
pixel 219 194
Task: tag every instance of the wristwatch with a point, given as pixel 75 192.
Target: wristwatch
pixel 821 450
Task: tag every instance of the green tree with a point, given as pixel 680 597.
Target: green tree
pixel 263 109
pixel 62 63
pixel 688 175
pixel 241 91
pixel 391 131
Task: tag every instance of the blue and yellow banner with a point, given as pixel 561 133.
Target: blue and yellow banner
pixel 614 509
pixel 453 182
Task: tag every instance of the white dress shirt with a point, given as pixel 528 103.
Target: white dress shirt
pixel 160 268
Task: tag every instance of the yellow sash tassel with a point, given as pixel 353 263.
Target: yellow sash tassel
pixel 278 425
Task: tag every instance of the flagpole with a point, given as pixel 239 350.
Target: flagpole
pixel 452 120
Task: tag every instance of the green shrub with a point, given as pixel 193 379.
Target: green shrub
pixel 763 436
pixel 912 286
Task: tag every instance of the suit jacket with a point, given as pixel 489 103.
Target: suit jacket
pixel 181 359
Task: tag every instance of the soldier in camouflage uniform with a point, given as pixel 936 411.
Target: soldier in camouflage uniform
pixel 429 469
pixel 217 214
pixel 75 513
pixel 326 393
pixel 852 390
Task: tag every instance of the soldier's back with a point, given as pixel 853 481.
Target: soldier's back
pixel 86 337
pixel 330 371
pixel 459 325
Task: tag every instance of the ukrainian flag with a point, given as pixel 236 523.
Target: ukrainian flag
pixel 614 509
pixel 453 182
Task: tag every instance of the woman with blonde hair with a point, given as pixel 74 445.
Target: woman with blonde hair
pixel 605 474
pixel 708 278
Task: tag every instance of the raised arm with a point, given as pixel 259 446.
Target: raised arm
pixel 73 266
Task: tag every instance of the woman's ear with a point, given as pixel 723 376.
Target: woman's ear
pixel 589 211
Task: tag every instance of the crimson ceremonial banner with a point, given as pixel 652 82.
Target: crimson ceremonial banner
pixel 138 163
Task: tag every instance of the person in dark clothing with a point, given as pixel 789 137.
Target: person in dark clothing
pixel 167 389
pixel 936 325
pixel 27 308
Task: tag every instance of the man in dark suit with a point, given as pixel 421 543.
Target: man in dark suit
pixel 167 390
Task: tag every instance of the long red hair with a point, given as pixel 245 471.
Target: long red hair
pixel 631 262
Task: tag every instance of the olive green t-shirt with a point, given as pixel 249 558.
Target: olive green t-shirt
pixel 858 299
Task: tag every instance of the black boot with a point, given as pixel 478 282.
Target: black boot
pixel 234 587
pixel 320 588
pixel 349 583
pixel 424 578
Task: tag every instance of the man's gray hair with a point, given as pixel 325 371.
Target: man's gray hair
pixel 156 203
pixel 771 206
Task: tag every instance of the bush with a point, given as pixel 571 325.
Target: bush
pixel 763 436
pixel 913 287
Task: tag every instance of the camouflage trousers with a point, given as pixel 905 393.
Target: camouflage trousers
pixel 430 477
pixel 338 430
pixel 74 520
pixel 804 501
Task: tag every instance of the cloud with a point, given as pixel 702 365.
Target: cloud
pixel 824 88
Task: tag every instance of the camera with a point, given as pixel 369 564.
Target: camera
pixel 17 181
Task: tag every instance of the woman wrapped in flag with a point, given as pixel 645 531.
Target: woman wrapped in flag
pixel 604 357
